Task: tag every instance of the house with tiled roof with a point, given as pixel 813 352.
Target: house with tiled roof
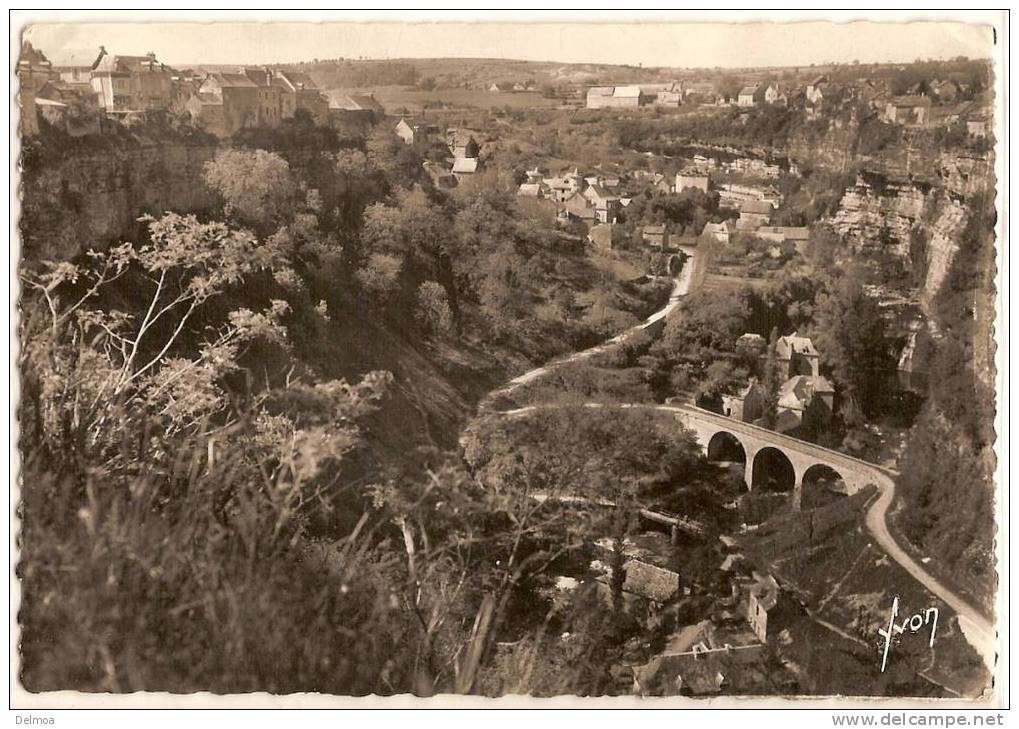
pixel 656 236
pixel 616 97
pixel 722 232
pixel 606 204
pixel 752 95
pixel 307 95
pixel 132 83
pixel 797 355
pixel 798 236
pixel 753 214
pixel 799 394
pixel 464 167
pixel 74 65
pixel 816 88
pixel 415 133
pixel 747 404
pixel 226 102
pixel 565 186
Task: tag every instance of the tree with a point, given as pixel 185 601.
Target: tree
pixel 418 231
pixel 704 325
pixel 140 359
pixel 256 186
pixel 433 308
pixel 850 333
pixel 772 382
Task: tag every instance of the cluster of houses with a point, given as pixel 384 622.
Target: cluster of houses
pixel 464 150
pixel 512 87
pixel 708 656
pixel 221 102
pixel 910 109
pixel 803 390
pixel 633 96
pixel 586 199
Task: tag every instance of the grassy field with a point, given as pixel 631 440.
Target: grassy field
pixel 719 282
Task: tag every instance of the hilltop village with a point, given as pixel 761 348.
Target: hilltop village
pixel 587 380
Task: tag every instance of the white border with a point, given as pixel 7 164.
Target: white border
pixel 24 700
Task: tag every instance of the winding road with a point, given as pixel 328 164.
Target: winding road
pixel 979 632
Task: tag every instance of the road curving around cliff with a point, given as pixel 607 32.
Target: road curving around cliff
pixel 979 632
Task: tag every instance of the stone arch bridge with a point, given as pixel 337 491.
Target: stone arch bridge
pixel 759 443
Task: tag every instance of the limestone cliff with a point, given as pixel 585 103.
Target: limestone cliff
pixel 918 225
pixel 90 200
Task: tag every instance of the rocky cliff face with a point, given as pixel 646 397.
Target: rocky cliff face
pixel 94 199
pixel 921 226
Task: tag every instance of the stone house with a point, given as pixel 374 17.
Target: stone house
pixel 753 214
pixel 577 208
pixel 415 133
pixel 796 355
pixel 464 167
pixel 226 103
pixel 307 95
pixel 763 600
pixel 667 95
pixel 774 95
pixel 977 125
pixel 74 65
pixel 132 83
pixel 722 232
pixel 798 236
pixel 801 394
pixel 656 236
pixel 533 189
pixel 275 100
pixel 908 110
pixel 660 183
pixel 751 95
pixel 747 405
pixel 815 89
pixel 34 72
pixel 356 108
pixel 563 187
pixel 606 204
pixel 616 97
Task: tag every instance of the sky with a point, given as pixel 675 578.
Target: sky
pixel 648 43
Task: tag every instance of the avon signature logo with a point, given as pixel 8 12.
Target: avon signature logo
pixel 914 623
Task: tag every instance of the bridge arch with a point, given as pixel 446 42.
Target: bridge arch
pixel 773 471
pixel 822 485
pixel 725 446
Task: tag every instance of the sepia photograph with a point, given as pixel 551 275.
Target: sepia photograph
pixel 637 360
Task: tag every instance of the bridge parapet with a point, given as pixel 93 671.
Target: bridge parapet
pixel 801 455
